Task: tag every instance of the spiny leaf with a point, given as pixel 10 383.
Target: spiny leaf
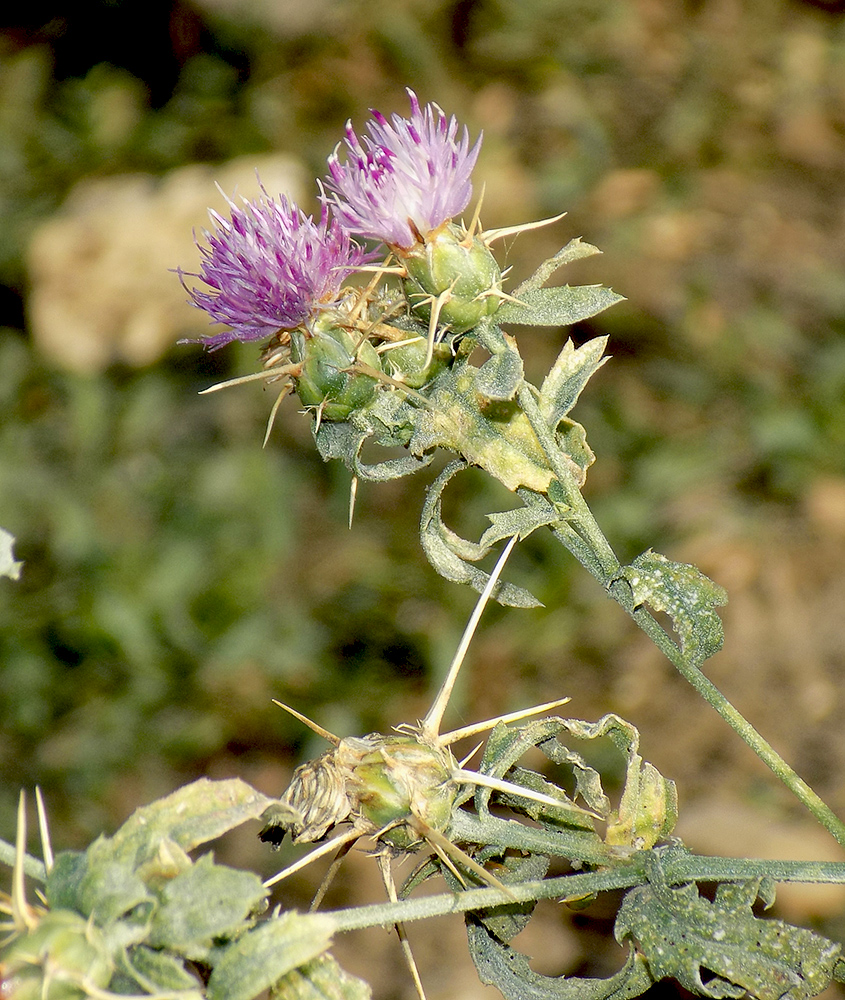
pixel 568 376
pixel 682 934
pixel 452 556
pixel 508 970
pixel 563 306
pixel 685 594
pixel 575 249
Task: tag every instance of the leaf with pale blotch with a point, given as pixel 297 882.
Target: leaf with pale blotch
pixel 508 970
pixel 568 376
pixel 686 595
pixel 720 949
pixel 320 979
pixel 259 958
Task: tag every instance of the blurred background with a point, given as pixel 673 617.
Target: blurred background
pixel 177 576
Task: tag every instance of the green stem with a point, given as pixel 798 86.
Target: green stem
pixel 31 866
pixel 606 567
pixel 682 869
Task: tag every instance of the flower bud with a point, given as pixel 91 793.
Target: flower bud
pixel 396 778
pixel 452 261
pixel 406 362
pixel 326 380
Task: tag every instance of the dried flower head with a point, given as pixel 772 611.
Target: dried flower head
pixel 406 178
pixel 270 267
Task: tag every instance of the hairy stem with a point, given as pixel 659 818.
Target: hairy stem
pixel 678 870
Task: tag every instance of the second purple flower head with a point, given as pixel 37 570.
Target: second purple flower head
pixel 405 178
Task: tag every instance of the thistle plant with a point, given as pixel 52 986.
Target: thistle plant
pixel 401 341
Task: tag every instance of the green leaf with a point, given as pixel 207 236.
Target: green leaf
pixel 108 890
pixel 266 953
pixel 568 376
pixel 493 434
pixel 685 594
pixel 204 902
pixel 509 920
pixel 500 376
pixel 575 249
pixel 648 807
pixel 452 556
pixel 682 934
pixel 188 817
pixel 320 979
pixel 8 565
pixel 508 970
pixel 560 306
pixel 157 971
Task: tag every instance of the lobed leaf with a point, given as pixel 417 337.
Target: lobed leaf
pixel 685 594
pixel 508 970
pixel 452 556
pixel 720 949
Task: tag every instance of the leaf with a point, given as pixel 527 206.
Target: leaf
pixel 320 979
pixel 648 807
pixel 568 376
pixel 647 810
pixel 685 594
pixel 500 376
pixel 204 902
pixel 575 249
pixel 682 934
pixel 508 970
pixel 493 434
pixel 507 921
pixel 190 816
pixel 559 306
pixel 266 953
pixel 108 890
pixel 452 556
pixel 8 565
pixel 157 971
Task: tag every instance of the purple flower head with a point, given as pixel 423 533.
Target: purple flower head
pixel 270 267
pixel 409 176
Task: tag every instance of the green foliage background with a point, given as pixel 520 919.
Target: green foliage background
pixel 177 577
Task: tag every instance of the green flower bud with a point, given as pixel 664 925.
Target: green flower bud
pixel 406 363
pixel 326 357
pixel 450 260
pixel 396 778
pixel 55 958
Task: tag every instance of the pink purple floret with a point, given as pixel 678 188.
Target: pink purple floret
pixel 405 178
